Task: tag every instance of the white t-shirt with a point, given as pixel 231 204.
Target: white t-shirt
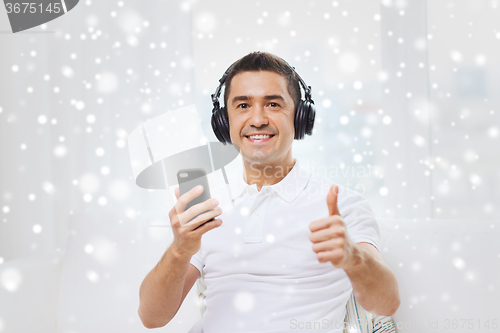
pixel 260 270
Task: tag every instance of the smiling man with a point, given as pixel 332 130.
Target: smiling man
pixel 295 246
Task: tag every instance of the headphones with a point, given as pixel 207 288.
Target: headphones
pixel 304 113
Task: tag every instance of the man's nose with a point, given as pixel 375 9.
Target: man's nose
pixel 258 116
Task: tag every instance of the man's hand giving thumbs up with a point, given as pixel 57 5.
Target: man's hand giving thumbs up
pixel 330 239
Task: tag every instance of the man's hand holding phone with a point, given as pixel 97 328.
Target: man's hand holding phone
pixel 189 225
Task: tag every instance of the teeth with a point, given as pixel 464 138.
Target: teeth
pixel 259 136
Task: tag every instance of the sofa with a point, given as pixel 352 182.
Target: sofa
pixel 447 270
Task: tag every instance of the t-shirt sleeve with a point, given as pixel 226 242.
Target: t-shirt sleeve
pixel 197 261
pixel 359 219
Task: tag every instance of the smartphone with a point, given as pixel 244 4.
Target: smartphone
pixel 190 178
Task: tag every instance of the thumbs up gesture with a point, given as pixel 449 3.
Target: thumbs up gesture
pixel 329 236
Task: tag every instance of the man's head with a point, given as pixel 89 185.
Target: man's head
pixel 263 61
pixel 261 94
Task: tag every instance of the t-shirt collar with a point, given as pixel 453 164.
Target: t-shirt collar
pixel 288 188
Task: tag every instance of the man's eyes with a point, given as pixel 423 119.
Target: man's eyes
pixel 245 105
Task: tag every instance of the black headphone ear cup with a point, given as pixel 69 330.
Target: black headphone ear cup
pixel 299 121
pixel 216 124
pixel 224 121
pixel 220 125
pixel 310 115
pixel 304 119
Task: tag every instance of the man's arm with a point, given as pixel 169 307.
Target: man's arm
pixel 165 287
pixel 374 284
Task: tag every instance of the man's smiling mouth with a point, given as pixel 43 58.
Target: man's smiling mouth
pixel 259 137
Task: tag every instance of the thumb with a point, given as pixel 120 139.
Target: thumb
pixel 331 200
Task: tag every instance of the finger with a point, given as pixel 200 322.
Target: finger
pixel 198 209
pixel 331 200
pixel 198 220
pixel 335 256
pixel 202 224
pixel 176 191
pixel 324 256
pixel 327 234
pixel 186 198
pixel 328 245
pixel 172 214
pixel 321 223
pixel 321 235
pixel 208 226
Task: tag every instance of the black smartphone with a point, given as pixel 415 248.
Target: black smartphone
pixel 190 178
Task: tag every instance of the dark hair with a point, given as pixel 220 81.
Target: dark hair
pixel 263 61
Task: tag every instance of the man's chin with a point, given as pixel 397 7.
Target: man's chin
pixel 256 158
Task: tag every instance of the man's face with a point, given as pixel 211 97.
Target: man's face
pixel 259 103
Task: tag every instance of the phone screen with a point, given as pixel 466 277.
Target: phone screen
pixel 190 178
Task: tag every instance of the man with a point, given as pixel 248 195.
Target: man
pixel 295 246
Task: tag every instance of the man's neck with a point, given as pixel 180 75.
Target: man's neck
pixel 266 174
